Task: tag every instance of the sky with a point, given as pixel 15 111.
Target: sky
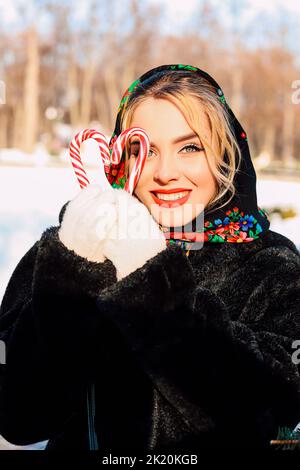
pixel 175 9
pixel 256 15
pixel 247 10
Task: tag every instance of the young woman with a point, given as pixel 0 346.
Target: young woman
pixel 182 339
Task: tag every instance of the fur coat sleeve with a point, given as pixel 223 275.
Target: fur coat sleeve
pixel 59 309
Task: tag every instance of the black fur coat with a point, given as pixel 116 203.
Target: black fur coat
pixel 184 352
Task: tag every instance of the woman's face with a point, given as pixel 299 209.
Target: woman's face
pixel 176 182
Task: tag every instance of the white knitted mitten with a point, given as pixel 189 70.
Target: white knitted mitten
pixel 86 222
pixel 135 237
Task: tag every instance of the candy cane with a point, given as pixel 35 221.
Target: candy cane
pixel 118 149
pixel 76 161
pixel 106 158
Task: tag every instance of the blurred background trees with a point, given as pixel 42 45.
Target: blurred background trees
pixel 68 65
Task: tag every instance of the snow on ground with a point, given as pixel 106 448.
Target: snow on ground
pixel 30 201
pixel 284 194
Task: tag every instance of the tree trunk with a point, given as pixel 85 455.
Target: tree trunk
pixel 269 142
pixel 72 93
pixel 288 131
pixel 237 81
pixel 101 112
pixel 31 92
pixel 86 93
pixel 3 130
pixel 113 98
pixel 17 125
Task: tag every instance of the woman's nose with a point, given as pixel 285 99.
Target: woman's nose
pixel 166 169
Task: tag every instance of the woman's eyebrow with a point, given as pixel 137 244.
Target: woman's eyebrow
pixel 176 141
pixel 184 137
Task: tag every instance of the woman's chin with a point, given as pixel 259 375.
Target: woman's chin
pixel 170 218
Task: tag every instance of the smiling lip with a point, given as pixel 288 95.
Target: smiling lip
pixel 171 204
pixel 169 191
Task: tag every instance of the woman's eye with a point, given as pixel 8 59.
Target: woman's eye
pixel 194 147
pixel 150 152
pixel 135 148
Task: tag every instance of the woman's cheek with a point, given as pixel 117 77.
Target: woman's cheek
pixel 199 173
pixel 143 184
pixel 140 190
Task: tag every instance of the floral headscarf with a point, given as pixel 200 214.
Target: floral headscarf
pixel 239 221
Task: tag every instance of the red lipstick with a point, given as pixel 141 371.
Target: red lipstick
pixel 171 204
pixel 169 191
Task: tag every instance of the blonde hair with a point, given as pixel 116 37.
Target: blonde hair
pixel 186 91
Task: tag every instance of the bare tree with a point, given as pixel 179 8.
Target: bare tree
pixel 31 91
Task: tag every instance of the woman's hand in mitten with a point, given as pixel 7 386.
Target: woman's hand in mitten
pixel 135 236
pixel 87 220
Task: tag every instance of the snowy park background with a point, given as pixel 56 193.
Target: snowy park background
pixel 31 198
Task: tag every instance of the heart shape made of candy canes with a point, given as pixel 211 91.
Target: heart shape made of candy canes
pixel 106 159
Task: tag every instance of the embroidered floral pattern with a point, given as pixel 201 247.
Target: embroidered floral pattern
pixel 184 67
pixel 263 213
pixel 236 227
pixel 115 173
pixel 128 93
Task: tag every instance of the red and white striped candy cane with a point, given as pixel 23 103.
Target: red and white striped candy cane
pixel 76 161
pixel 106 159
pixel 118 149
